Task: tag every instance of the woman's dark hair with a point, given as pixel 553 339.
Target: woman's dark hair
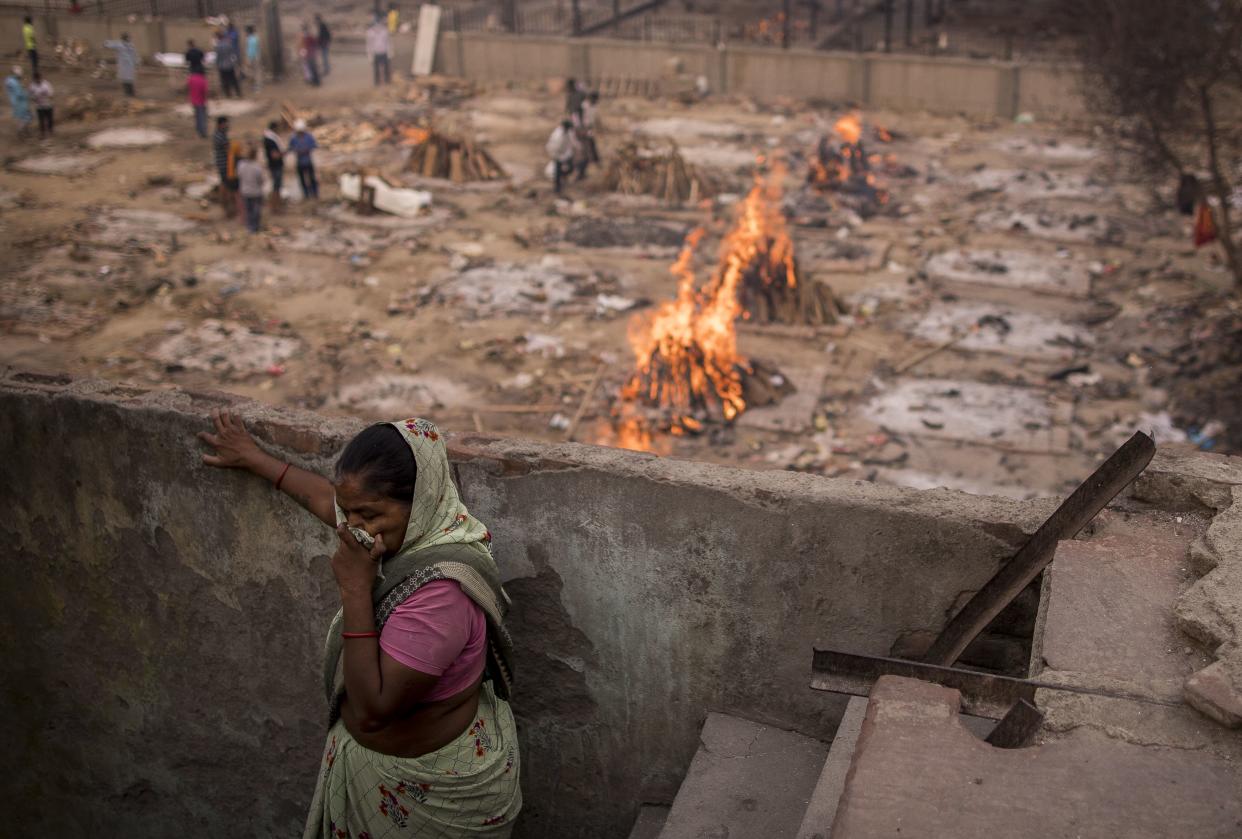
pixel 380 456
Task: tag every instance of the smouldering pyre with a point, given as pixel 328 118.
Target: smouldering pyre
pixel 843 166
pixel 688 370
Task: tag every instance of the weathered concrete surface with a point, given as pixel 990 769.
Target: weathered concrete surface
pixel 1211 611
pixel 746 780
pixel 172 614
pixel 650 821
pixel 1107 607
pixel 1180 480
pixel 821 810
pixel 918 772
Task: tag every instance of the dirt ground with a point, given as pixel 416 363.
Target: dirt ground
pixel 501 306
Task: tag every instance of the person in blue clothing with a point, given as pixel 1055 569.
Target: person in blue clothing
pixel 303 145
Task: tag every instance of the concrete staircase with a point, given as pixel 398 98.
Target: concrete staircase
pixel 752 781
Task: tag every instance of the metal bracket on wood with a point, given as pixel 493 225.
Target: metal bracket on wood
pixel 1084 504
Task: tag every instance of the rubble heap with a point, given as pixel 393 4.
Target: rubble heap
pixel 636 170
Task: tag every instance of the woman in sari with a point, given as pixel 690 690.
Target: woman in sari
pixel 421 740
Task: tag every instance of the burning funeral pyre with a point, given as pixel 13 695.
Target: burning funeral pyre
pixel 688 368
pixel 846 169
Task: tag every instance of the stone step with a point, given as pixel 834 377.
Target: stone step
pixel 650 821
pixel 822 809
pixel 747 781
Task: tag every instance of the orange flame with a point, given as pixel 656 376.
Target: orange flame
pixel 685 353
pixel 849 128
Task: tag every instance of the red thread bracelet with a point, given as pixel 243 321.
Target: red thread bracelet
pixel 350 635
pixel 283 472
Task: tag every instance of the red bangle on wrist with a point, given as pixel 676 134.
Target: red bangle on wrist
pixel 283 472
pixel 349 635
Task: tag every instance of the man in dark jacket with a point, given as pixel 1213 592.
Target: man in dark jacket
pixel 325 38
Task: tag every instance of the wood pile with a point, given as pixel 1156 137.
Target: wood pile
pixel 667 176
pixel 458 159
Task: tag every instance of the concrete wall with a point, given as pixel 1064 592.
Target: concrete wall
pixel 148 36
pixel 163 620
pixel 899 82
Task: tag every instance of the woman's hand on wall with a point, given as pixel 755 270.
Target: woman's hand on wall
pixel 234 447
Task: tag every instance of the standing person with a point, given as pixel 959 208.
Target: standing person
pixel 254 57
pixel 310 64
pixel 31 44
pixel 421 738
pixel 562 148
pixel 590 121
pixel 250 182
pixel 275 163
pixel 196 87
pixel 225 152
pixel 393 18
pixel 19 100
pixel 41 93
pixel 379 44
pixel 234 37
pixel 323 38
pixel 226 64
pixel 573 97
pixel 194 58
pixel 303 145
pixel 126 62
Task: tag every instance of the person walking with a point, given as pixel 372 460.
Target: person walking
pixel 30 42
pixel 379 44
pixel 562 148
pixel 19 100
pixel 254 58
pixel 275 163
pixel 303 145
pixel 194 58
pixel 41 93
pixel 196 87
pixel 250 182
pixel 126 62
pixel 418 663
pixel 225 153
pixel 323 38
pixel 226 63
pixel 590 121
pixel 310 64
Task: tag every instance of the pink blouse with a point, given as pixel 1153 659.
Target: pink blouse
pixel 440 631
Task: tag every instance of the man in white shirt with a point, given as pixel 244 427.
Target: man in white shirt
pixel 379 45
pixel 562 148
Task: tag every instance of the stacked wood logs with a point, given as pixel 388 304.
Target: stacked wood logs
pixel 456 158
pixel 666 176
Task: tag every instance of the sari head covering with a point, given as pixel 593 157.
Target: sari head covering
pixel 437 515
pixel 442 541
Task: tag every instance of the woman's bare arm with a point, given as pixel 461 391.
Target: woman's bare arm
pixel 236 449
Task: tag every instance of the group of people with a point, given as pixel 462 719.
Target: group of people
pixel 21 94
pixel 233 62
pixel 246 169
pixel 571 146
pixel 315 51
pixel 39 90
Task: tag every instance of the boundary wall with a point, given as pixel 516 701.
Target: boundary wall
pixel 897 82
pixel 878 80
pixel 164 620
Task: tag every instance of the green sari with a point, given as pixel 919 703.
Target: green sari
pixel 469 787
